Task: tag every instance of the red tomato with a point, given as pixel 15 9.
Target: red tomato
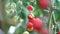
pixel 37 24
pixel 30 16
pixel 30 8
pixel 29 25
pixel 43 4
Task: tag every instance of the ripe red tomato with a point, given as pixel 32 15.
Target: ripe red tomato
pixel 37 24
pixel 43 4
pixel 30 8
pixel 32 20
pixel 29 25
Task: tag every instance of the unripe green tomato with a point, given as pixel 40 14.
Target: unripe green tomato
pixel 26 32
pixel 19 3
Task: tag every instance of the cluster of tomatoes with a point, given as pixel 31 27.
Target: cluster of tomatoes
pixel 35 23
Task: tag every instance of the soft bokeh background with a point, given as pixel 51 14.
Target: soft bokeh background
pixel 20 12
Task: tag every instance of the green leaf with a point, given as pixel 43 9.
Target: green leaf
pixel 57 15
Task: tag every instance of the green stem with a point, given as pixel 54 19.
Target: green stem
pixel 50 23
pixel 54 20
pixel 55 24
pixel 50 20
